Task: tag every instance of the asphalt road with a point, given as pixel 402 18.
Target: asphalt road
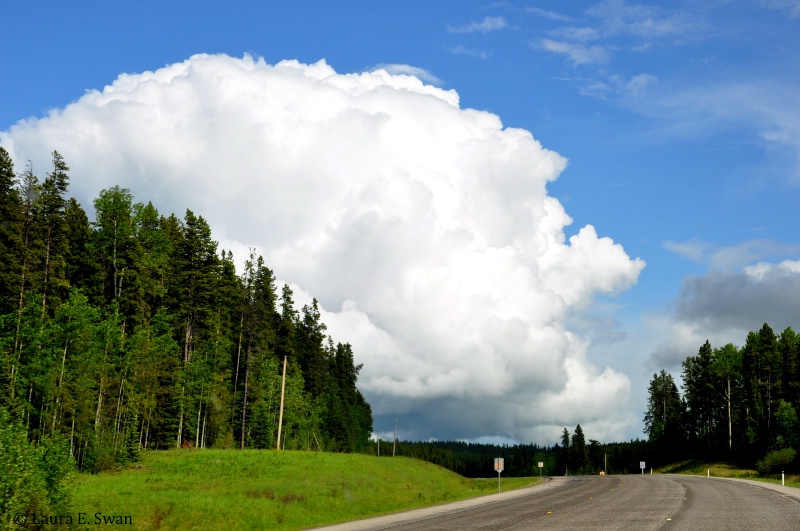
pixel 638 502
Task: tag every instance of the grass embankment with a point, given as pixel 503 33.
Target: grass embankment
pixel 725 470
pixel 262 489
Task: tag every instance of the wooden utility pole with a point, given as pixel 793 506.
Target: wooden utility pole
pixel 394 446
pixel 280 416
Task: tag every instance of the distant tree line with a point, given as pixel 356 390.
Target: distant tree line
pixel 738 405
pixel 133 331
pixel 574 456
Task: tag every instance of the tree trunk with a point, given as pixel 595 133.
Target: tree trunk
pixel 99 405
pixel 180 423
pixel 730 423
pixel 117 415
pixel 238 356
pixel 72 437
pixel 46 269
pixel 205 418
pixel 197 435
pixel 187 352
pixel 244 401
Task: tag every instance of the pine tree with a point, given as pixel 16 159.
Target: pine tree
pixel 663 419
pixel 112 238
pixel 727 371
pixel 80 265
pixel 761 373
pixel 52 224
pixel 311 349
pixel 580 455
pixel 789 346
pixel 29 191
pixel 565 455
pixel 700 395
pixel 11 217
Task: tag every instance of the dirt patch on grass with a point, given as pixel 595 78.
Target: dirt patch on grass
pixel 292 498
pixel 264 493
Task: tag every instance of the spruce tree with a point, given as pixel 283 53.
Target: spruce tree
pixel 11 216
pixel 52 224
pixel 580 455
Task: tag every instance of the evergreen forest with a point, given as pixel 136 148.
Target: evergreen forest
pixel 135 331
pixel 575 455
pixel 739 404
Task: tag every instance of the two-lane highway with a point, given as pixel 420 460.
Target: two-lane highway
pixel 638 502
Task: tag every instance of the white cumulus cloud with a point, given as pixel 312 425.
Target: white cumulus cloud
pixel 424 229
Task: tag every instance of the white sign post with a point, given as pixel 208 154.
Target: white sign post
pixel 541 466
pixel 498 465
pixel 641 465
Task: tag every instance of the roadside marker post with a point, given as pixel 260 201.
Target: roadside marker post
pixel 498 465
pixel 541 465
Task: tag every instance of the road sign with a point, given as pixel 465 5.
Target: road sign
pixel 541 464
pixel 498 464
pixel 641 465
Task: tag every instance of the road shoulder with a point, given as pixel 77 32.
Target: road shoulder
pixel 389 520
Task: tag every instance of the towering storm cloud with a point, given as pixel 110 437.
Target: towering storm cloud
pixel 424 229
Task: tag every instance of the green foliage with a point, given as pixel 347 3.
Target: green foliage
pixel 776 461
pixel 11 216
pixel 133 332
pixel 742 403
pixel 664 418
pixel 788 435
pixel 580 454
pixel 521 460
pixel 34 478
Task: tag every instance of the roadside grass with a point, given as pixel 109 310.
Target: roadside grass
pixel 266 489
pixel 725 470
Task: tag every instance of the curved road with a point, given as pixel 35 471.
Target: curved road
pixel 637 502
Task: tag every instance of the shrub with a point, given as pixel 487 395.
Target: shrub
pixel 33 479
pixel 775 461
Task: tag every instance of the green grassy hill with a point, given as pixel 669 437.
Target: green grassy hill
pixel 262 489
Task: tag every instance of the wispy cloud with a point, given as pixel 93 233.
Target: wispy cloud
pixel 791 6
pixel 770 110
pixel 611 25
pixel 581 34
pixel 635 86
pixel 408 70
pixel 731 257
pixel 461 50
pixel 579 54
pixel 485 26
pixel 543 13
pixel 618 17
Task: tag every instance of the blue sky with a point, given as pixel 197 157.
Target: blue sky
pixel 680 122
